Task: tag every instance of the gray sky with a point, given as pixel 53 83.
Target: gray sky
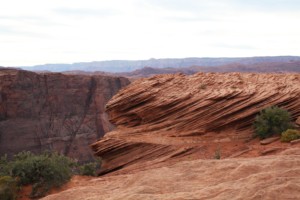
pixel 66 31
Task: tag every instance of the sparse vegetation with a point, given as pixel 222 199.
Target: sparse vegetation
pixel 88 169
pixel 202 86
pixel 43 171
pixel 271 121
pixel 290 135
pixel 217 154
pixel 8 188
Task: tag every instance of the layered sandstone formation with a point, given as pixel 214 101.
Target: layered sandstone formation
pixel 167 118
pixel 268 178
pixel 53 111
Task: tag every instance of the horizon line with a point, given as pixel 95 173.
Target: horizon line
pixel 133 60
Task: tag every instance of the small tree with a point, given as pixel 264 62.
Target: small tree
pixel 272 120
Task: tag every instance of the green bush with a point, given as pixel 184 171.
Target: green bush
pixel 8 188
pixel 290 135
pixel 4 169
pixel 272 120
pixel 88 169
pixel 43 171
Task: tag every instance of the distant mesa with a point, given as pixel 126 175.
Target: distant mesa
pixel 265 67
pixel 249 64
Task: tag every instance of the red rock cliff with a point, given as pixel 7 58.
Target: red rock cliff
pixel 54 111
pixel 169 117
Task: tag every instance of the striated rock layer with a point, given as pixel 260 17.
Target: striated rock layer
pixel 268 178
pixel 53 111
pixel 177 117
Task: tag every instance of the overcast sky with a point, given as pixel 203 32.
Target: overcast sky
pixel 66 31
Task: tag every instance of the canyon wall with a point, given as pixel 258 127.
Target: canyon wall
pixel 53 111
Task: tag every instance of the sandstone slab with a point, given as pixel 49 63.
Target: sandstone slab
pixel 267 177
pixel 295 141
pixel 269 140
pixel 270 150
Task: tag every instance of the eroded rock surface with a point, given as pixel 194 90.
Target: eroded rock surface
pixel 267 177
pixel 53 111
pixel 177 117
pixel 298 121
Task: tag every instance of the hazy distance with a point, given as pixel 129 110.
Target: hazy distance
pixel 37 32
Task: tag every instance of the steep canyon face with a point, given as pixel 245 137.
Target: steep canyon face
pixel 53 111
pixel 169 118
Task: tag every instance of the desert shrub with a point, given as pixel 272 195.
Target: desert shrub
pixel 42 171
pixel 8 188
pixel 4 169
pixel 289 135
pixel 88 169
pixel 217 154
pixel 272 120
pixel 203 86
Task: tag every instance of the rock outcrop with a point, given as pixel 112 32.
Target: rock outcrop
pixel 168 118
pixel 53 111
